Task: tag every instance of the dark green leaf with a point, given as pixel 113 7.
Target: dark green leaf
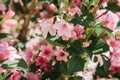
pixel 22 63
pixel 76 63
pixel 6 1
pixel 23 78
pixel 100 47
pixel 106 62
pixel 118 24
pixel 63 68
pixel 6 36
pixel 75 78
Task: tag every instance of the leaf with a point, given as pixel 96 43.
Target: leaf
pixel 76 63
pixel 6 2
pixel 1 78
pixel 98 31
pixel 23 78
pixel 6 36
pixel 106 62
pixel 100 47
pixel 118 24
pixel 75 78
pixel 63 68
pixel 22 63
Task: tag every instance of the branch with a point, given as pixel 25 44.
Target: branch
pixel 101 15
pixel 23 32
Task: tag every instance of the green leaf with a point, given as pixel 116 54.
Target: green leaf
pixel 118 24
pixel 106 62
pixel 63 68
pixel 98 31
pixel 23 78
pixel 5 1
pixel 76 63
pixel 6 36
pixel 100 47
pixel 75 78
pixel 1 78
pixel 22 63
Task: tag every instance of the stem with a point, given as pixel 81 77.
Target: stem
pixel 23 32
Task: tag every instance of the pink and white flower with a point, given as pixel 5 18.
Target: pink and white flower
pixel 109 19
pixel 63 29
pixel 77 32
pixel 9 14
pixel 32 76
pixel 47 52
pixel 41 61
pixel 61 55
pixel 16 75
pixel 11 23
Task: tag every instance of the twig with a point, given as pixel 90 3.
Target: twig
pixel 23 32
pixel 101 15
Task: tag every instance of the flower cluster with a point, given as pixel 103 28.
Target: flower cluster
pixel 59 39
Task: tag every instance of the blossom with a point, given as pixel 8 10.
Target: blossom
pixel 29 56
pixel 74 10
pixel 114 45
pixel 77 32
pixel 109 19
pixel 47 51
pixel 41 61
pixel 11 22
pixel 46 26
pixel 4 52
pixel 63 29
pixel 61 55
pixel 32 76
pixel 86 44
pixel 115 59
pixel 53 8
pixel 77 3
pixel 9 14
pixel 48 68
pixel 16 75
pixel 2 7
pixel 2 70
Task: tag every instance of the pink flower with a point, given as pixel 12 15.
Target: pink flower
pixel 4 52
pixel 77 32
pixel 118 14
pixel 2 70
pixel 47 52
pixel 52 7
pixel 2 7
pixel 9 14
pixel 118 2
pixel 48 68
pixel 74 10
pixel 109 19
pixel 46 26
pixel 16 75
pixel 114 45
pixel 115 59
pixel 11 22
pixel 29 56
pixel 63 29
pixel 32 76
pixel 105 1
pixel 61 55
pixel 86 44
pixel 77 3
pixel 41 61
